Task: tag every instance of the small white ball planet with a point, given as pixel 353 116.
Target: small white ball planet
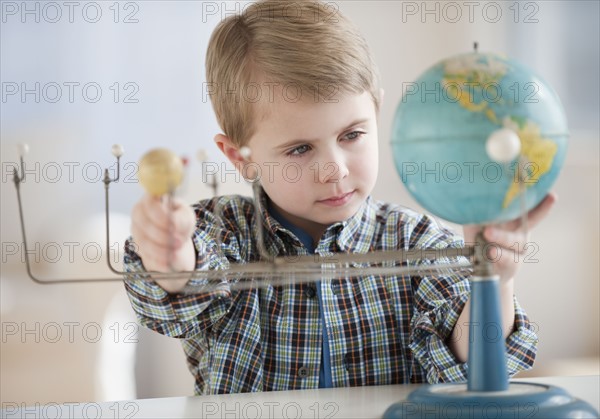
pixel 503 145
pixel 117 150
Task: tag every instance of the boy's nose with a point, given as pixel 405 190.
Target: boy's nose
pixel 332 171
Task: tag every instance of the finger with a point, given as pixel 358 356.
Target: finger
pixel 176 203
pixel 534 216
pixel 154 256
pixel 155 212
pixel 182 217
pixel 542 209
pixel 493 252
pixel 147 234
pixel 145 230
pixel 154 260
pixel 184 222
pixel 177 225
pixel 511 225
pixel 147 223
pixel 470 231
pixel 505 238
pixel 179 231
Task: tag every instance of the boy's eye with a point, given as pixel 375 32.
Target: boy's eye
pixel 354 135
pixel 299 150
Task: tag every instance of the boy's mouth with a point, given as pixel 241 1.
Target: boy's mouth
pixel 337 200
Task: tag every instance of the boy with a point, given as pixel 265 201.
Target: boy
pixel 312 132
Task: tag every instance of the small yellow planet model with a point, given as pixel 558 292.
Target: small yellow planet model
pixel 160 171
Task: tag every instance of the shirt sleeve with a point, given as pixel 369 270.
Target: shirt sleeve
pixel 438 301
pixel 179 315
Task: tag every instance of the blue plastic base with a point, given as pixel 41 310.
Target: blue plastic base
pixel 521 400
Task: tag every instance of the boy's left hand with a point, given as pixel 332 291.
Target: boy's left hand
pixel 509 238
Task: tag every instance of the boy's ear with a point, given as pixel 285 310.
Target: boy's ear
pixel 230 150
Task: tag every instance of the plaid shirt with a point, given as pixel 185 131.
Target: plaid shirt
pixel 381 329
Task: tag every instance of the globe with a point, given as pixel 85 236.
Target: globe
pixel 451 139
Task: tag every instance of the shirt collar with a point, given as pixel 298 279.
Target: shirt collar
pixel 352 235
pixel 302 235
pixel 355 234
pixel 271 224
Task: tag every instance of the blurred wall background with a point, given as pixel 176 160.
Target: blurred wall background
pixel 78 77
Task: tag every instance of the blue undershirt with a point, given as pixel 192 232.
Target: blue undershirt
pixel 325 380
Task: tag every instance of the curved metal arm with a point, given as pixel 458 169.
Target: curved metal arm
pixel 271 270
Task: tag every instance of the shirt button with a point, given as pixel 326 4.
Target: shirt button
pixel 302 372
pixel 310 291
pixel 347 361
pixel 335 288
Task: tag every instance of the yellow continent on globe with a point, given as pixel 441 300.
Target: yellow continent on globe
pixel 463 77
pixel 537 150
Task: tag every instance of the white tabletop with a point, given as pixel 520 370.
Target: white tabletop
pixel 352 402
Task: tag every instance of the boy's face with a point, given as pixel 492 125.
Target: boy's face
pixel 318 161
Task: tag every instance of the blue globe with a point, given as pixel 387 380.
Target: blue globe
pixel 442 127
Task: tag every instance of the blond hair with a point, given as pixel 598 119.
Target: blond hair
pixel 300 46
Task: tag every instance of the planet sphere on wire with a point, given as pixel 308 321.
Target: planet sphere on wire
pixel 160 171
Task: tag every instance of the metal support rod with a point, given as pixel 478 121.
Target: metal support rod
pixel 107 182
pixel 487 353
pixel 522 176
pixel 260 235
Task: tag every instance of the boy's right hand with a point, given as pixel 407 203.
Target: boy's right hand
pixel 163 237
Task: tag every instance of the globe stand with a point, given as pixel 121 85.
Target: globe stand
pixel 488 392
